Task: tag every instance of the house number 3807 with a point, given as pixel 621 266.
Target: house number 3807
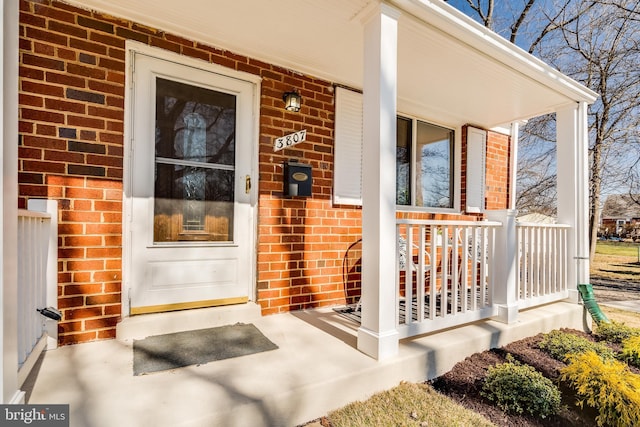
pixel 289 140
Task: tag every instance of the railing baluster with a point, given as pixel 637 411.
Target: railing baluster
pixel 33 241
pixel 434 272
pixel 464 275
pixel 475 282
pixel 543 264
pixel 422 274
pixel 410 271
pixel 484 276
pixel 450 263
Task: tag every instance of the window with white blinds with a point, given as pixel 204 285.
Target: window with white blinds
pixel 347 185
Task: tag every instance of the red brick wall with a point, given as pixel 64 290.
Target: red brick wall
pixel 497 174
pixel 302 242
pixel 71 149
pixel 72 74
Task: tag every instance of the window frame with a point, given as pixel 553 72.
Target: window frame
pixel 456 166
pixel 348 146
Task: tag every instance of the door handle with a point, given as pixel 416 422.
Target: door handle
pixel 247 184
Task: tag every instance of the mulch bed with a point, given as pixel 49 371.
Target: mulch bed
pixel 464 382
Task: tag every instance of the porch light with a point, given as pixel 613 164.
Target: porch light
pixel 292 101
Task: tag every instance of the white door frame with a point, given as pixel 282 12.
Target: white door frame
pixel 133 47
pixel 9 389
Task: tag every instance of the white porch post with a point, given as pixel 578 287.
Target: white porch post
pixel 513 164
pixel 9 210
pixel 503 276
pixel 573 190
pixel 377 336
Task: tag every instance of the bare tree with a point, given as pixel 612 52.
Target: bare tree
pixel 604 47
pixel 598 44
pixel 524 22
pixel 536 178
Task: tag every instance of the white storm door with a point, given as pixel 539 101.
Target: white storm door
pixel 191 219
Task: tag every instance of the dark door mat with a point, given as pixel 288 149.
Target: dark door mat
pixel 170 351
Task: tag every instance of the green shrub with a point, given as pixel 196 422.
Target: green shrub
pixel 631 351
pixel 519 389
pixel 615 332
pixel 606 385
pixel 561 344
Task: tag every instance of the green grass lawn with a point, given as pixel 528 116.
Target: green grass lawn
pixel 618 248
pixel 616 261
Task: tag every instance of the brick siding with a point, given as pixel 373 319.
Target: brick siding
pixel 497 173
pixel 72 76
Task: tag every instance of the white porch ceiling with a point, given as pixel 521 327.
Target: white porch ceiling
pixel 451 71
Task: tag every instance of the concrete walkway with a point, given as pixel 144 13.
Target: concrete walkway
pixel 629 305
pixel 315 369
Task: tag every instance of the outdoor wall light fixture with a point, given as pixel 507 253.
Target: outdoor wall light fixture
pixel 292 101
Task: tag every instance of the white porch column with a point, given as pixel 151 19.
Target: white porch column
pixel 573 190
pixel 513 164
pixel 9 210
pixel 503 274
pixel 377 336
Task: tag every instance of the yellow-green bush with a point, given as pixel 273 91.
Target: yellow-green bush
pixel 631 351
pixel 606 385
pixel 615 332
pixel 561 344
pixel 521 389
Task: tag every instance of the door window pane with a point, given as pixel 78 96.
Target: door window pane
pixel 195 162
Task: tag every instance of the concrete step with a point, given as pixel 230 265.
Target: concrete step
pixel 144 325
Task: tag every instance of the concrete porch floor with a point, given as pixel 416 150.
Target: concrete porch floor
pixel 316 368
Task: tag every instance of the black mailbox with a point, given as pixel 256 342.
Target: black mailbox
pixel 297 179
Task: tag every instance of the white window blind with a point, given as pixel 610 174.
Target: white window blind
pixel 347 173
pixel 476 161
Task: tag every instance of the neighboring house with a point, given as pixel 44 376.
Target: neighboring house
pixel 620 216
pixel 157 126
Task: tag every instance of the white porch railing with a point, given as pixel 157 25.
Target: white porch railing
pixel 444 274
pixel 542 267
pixel 37 270
pixel 455 272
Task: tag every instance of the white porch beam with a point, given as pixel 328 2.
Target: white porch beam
pixel 573 190
pixel 377 335
pixel 9 210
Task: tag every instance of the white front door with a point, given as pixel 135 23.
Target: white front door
pixel 191 220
